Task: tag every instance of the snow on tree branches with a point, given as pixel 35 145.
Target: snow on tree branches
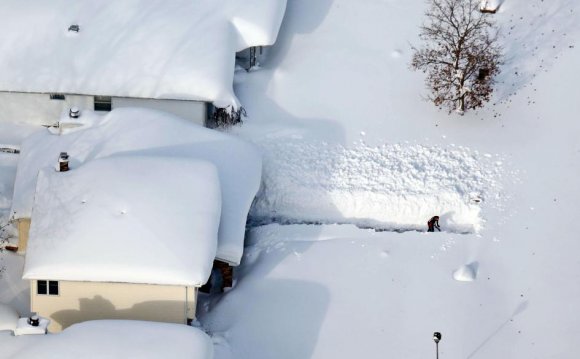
pixel 460 55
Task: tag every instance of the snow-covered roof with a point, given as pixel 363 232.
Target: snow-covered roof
pixel 130 131
pixel 182 49
pixel 134 219
pixel 108 339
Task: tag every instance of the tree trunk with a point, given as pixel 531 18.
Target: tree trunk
pixel 461 105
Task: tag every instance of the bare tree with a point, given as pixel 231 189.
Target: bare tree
pixel 460 55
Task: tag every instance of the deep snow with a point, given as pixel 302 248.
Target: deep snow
pixel 338 78
pixel 149 49
pixel 338 75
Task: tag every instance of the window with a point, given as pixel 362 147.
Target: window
pixel 47 287
pixel 56 96
pixel 102 103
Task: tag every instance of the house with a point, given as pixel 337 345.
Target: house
pixel 122 237
pixel 176 56
pixel 132 229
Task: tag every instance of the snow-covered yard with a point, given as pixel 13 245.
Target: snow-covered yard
pixel 346 138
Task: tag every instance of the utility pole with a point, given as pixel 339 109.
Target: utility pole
pixel 436 339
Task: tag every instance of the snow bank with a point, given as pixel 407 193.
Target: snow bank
pixel 8 318
pixel 108 339
pixel 126 219
pixel 257 21
pixel 139 132
pixel 391 187
pixel 342 292
pixel 466 273
pixel 149 49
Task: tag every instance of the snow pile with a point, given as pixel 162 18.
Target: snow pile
pixel 391 187
pixel 150 49
pixel 339 72
pixel 126 219
pixel 117 339
pixel 139 132
pixel 466 273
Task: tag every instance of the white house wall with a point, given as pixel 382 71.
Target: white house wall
pixel 194 111
pixel 38 108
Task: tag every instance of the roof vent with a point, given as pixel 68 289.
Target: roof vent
pixel 63 162
pixel 34 320
pixel 74 27
pixel 74 112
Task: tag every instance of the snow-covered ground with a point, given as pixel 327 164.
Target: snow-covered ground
pixel 339 114
pixel 388 187
pixel 346 138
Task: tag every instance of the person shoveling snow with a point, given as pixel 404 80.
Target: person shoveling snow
pixel 433 223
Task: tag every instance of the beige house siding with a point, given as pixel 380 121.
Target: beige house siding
pixel 23 225
pixel 82 301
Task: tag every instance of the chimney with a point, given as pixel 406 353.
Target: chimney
pixel 74 112
pixel 63 162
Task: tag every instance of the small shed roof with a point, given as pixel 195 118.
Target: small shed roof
pixel 139 132
pixel 180 49
pixel 136 219
pixel 106 339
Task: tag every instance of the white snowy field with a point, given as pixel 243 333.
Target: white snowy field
pixel 340 116
pixel 342 292
pixel 346 138
pixel 341 122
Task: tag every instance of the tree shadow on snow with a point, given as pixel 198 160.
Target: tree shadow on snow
pixel 519 309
